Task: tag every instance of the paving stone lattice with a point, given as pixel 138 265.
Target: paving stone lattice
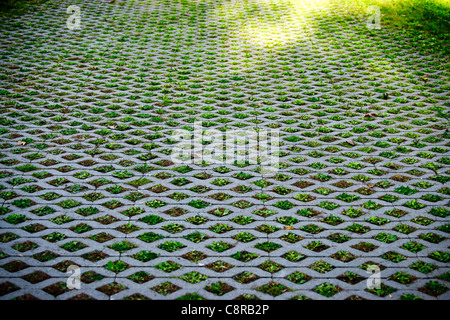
pixel 87 177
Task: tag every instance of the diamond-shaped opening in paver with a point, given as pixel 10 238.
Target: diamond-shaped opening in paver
pixel 93 196
pixel 220 196
pixel 287 220
pixel 191 296
pixel 63 265
pixel 62 219
pixel 432 237
pixel 264 212
pixel 220 212
pixel 168 266
pixel 135 196
pixel 25 246
pixel 101 237
pixel 69 203
pixel 91 276
pixel 36 277
pixel 298 277
pixel 246 297
pixel 117 266
pixel 273 288
pixel 122 246
pixel 171 246
pixel 327 289
pixel 378 221
pixel 140 277
pixel 284 205
pixel 166 288
pixel 365 190
pixel 7 287
pixel 403 278
pixel 262 197
pixel 355 297
pixel 321 266
pixel 145 256
pixel 423 267
pixel 163 175
pixel 152 219
pixel 219 246
pixel 45 256
pixel 73 246
pixel 15 265
pixel 267 246
pixel 16 218
pixel 244 237
pixel 386 237
pixel 88 211
pixel 54 237
pixel 441 256
pixel 271 266
pixel 220 228
pixel 393 256
pixel 176 211
pixel 200 189
pixel 382 291
pixel 94 256
pixel 434 288
pixel 56 289
pixel 116 189
pixel 300 297
pixel 178 196
pixel 312 228
pixel 358 228
pixel 194 256
pixel 173 228
pixel 139 182
pixel 158 188
pixel 112 204
pixel 293 256
pixel 196 237
pixel 150 237
pixel 266 228
pixel 219 288
pixel 81 228
pixel 353 212
pixel 193 277
pixel 316 246
pixel 350 277
pixel 343 256
pixel 111 288
pixel 245 277
pixel 303 184
pixel 219 266
pixel 43 211
pixel 136 296
pixel 245 256
pixel 371 264
pixel 25 296
pixel 8 195
pixel 332 220
pixel 127 228
pixel 365 246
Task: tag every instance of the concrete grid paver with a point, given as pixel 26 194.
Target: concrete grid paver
pixel 113 91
